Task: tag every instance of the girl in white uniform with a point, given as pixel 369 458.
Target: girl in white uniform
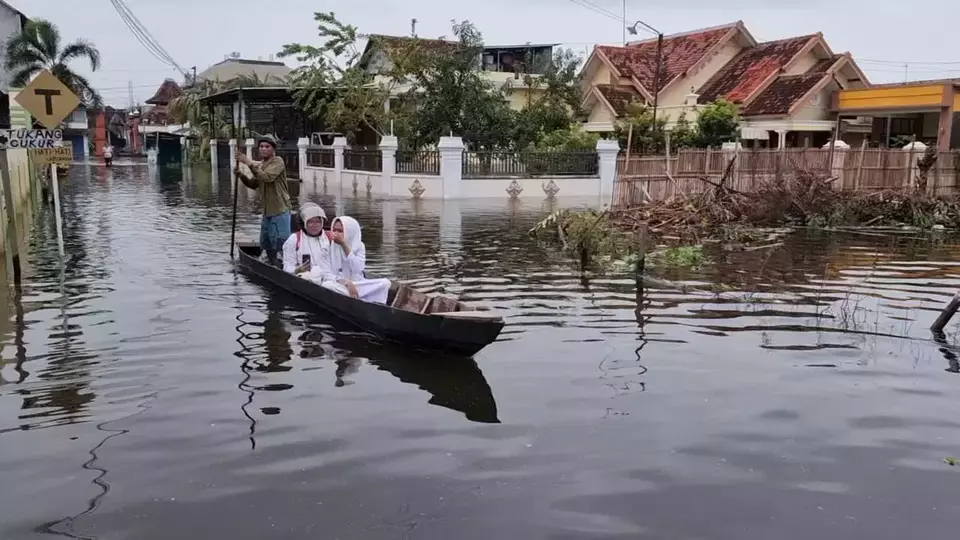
pixel 307 251
pixel 348 259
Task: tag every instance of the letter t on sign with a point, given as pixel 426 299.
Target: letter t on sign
pixel 47 94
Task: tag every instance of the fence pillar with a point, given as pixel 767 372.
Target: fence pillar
pixel 451 166
pixel 837 160
pixel 915 150
pixel 388 158
pixel 233 152
pixel 607 152
pixel 731 151
pixel 249 144
pixel 302 144
pixel 339 145
pixel 213 156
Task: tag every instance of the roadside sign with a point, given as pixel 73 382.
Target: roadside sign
pixel 48 99
pixel 62 155
pixel 30 139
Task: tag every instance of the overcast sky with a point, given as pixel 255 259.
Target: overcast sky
pixel 883 35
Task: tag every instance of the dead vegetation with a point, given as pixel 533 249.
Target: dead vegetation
pixel 744 221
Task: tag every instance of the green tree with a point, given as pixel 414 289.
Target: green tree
pixel 452 95
pixel 571 139
pixel 39 46
pixel 645 136
pixel 553 96
pixel 717 123
pixel 333 84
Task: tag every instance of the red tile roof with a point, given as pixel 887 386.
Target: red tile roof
pixel 749 69
pixel 680 53
pixel 619 97
pixel 167 91
pixel 778 98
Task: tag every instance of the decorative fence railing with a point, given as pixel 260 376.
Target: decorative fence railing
pixel 418 162
pixel 660 177
pixel 320 157
pixel 363 160
pixel 291 160
pixel 530 164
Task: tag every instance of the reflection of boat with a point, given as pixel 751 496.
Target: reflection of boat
pixel 452 382
pixel 412 318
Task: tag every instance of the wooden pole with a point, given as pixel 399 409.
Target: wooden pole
pixel 233 219
pixel 12 246
pixel 626 159
pixel 56 207
pixel 948 312
pixel 642 234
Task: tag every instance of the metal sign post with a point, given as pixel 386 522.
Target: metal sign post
pixel 50 102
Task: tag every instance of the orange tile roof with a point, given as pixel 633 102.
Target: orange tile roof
pixel 778 98
pixel 680 53
pixel 619 97
pixel 749 69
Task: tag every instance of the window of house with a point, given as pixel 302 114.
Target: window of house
pixel 903 126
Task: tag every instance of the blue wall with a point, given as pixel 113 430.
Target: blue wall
pixel 77 142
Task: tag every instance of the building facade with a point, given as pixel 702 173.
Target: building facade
pixel 782 88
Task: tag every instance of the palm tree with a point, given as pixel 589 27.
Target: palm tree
pixel 39 47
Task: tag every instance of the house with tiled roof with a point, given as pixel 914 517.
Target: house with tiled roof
pixel 782 88
pixel 503 65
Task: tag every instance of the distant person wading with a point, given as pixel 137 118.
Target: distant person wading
pixel 269 177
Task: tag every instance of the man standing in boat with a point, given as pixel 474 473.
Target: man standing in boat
pixel 270 179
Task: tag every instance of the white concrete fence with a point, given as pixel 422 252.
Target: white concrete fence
pixel 329 171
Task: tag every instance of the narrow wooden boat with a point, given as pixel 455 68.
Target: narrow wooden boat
pixel 410 317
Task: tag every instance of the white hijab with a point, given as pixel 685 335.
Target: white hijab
pixel 351 232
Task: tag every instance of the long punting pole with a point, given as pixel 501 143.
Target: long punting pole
pixel 233 219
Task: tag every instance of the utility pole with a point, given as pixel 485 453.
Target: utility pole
pixel 413 27
pixel 130 93
pixel 624 17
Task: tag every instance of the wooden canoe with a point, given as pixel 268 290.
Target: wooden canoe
pixel 410 317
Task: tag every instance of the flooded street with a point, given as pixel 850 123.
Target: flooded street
pixel 791 395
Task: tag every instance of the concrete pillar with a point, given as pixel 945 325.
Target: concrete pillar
pixel 339 145
pixel 302 144
pixel 781 139
pixel 388 157
pixel 945 126
pixel 86 146
pixel 916 150
pixel 451 166
pixel 233 152
pixel 249 145
pixel 840 150
pixel 213 155
pixel 607 152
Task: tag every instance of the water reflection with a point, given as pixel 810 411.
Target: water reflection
pixel 452 382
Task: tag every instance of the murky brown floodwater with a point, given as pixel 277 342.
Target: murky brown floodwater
pixel 168 397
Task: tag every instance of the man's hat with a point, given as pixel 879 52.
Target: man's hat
pixel 269 139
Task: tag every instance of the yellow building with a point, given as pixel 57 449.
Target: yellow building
pixel 924 110
pixel 782 88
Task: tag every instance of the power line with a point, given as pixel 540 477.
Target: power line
pixel 599 10
pixel 143 35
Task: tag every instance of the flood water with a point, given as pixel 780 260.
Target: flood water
pixel 157 394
